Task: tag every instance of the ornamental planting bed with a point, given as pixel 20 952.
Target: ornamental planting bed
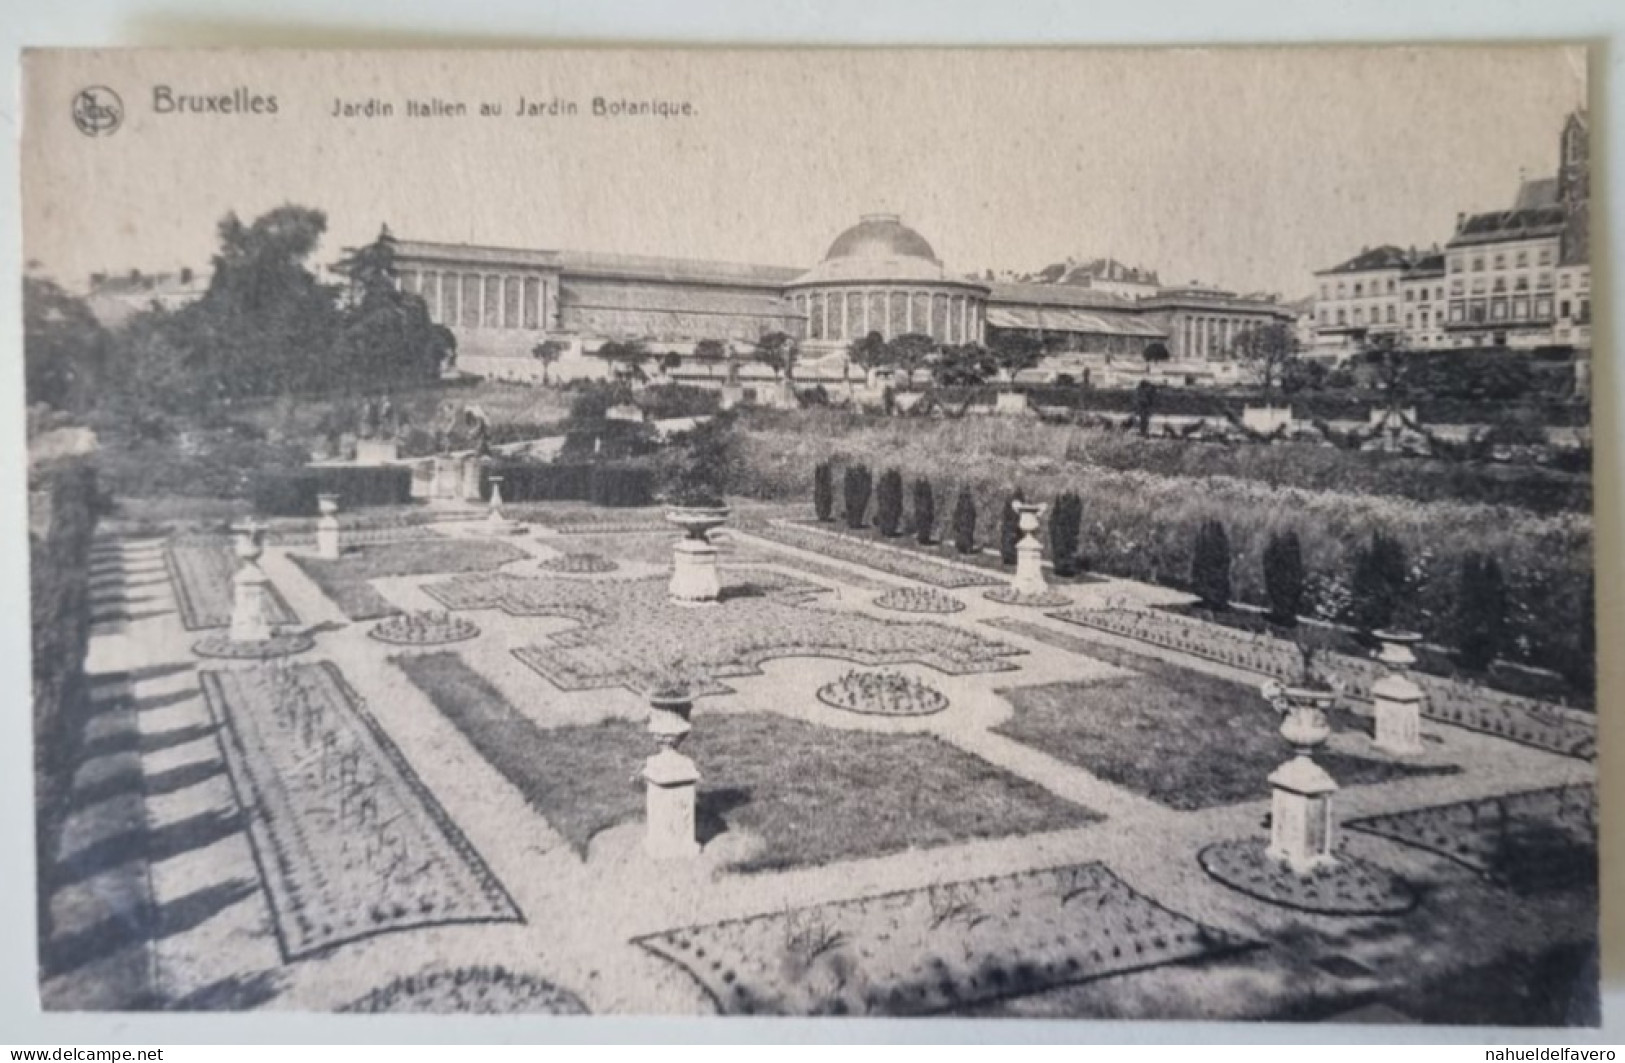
pixel 347 580
pixel 424 629
pixel 200 569
pixel 1529 841
pixel 583 564
pixel 631 632
pixel 348 841
pixel 222 645
pixel 882 557
pixel 470 991
pixel 883 694
pixel 919 600
pixel 844 798
pixel 1178 736
pixel 1351 886
pixel 1048 599
pixel 1553 728
pixel 938 949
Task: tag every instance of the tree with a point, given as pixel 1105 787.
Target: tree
pixel 1010 528
pixel 868 352
pixel 1378 583
pixel 911 352
pixel 1155 351
pixel 1210 566
pixel 925 512
pixel 889 503
pixel 710 350
pixel 823 491
pixel 965 522
pixel 778 351
pixel 386 334
pixel 1284 577
pixel 1481 612
pixel 1013 352
pixel 64 347
pixel 625 358
pixel 1065 523
pixel 547 352
pixel 856 488
pixel 1267 350
pixel 1145 402
pixel 967 363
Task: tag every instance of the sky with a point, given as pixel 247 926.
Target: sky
pixel 1245 168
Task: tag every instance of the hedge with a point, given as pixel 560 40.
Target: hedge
pixel 293 494
pixel 602 484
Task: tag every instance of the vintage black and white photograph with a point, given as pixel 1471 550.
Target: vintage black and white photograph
pixel 1066 533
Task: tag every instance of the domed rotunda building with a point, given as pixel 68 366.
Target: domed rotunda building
pixel 881 276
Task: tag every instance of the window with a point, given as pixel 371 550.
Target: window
pixel 1563 310
pixel 1478 286
pixel 1544 282
pixel 1359 289
pixel 1424 318
pixel 1359 316
pixel 1438 292
pixel 1521 284
pixel 1500 262
pixel 1342 289
pixel 1543 308
pixel 1390 285
pixel 1500 284
pixel 1410 295
pixel 1456 288
pixel 1342 316
pixel 1455 312
pixel 1410 320
pixel 1478 263
pixel 1321 315
pixel 1563 281
pixel 1390 313
pixel 1546 256
pixel 1455 263
pixel 1523 259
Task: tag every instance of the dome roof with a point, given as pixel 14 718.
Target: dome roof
pixel 880 248
pixel 881 236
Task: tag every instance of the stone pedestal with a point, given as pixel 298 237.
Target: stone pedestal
pixel 670 782
pixel 1396 699
pixel 376 451
pixel 1029 578
pixel 695 579
pixel 446 482
pixel 1302 826
pixel 471 480
pixel 327 527
pixel 250 588
pixel 732 395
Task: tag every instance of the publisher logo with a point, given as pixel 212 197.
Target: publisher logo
pixel 98 111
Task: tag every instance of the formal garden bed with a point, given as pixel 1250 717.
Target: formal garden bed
pixel 631 632
pixel 940 948
pixel 424 629
pixel 347 581
pixel 1178 736
pixel 348 841
pixel 200 570
pixel 1530 841
pixel 470 991
pixel 919 600
pixel 844 798
pixel 1553 728
pixel 284 644
pixel 1350 886
pixel 883 694
pixel 582 564
pixel 887 557
pixel 1046 599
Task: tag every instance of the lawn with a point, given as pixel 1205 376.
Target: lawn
pixel 807 794
pixel 1184 738
pixel 346 581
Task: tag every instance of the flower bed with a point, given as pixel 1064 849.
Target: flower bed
pixel 585 564
pixel 919 600
pixel 200 569
pixel 1529 841
pixel 424 629
pixel 470 991
pixel 1349 887
pixel 882 557
pixel 1043 600
pixel 631 631
pixel 1533 723
pixel 224 646
pixel 882 694
pixel 347 580
pixel 349 842
pixel 938 949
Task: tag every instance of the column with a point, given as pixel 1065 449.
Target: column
pixel 864 295
pixel 964 319
pixel 908 311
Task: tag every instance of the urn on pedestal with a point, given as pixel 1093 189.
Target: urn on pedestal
pixel 1302 825
pixel 1396 699
pixel 670 778
pixel 327 526
pixel 694 576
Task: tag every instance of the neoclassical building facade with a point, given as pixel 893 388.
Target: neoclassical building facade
pixel 878 276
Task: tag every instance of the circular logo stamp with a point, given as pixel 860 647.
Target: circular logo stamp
pixel 98 111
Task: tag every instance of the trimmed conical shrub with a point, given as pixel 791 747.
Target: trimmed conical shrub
pixel 1377 585
pixel 1010 528
pixel 824 491
pixel 1481 612
pixel 1284 577
pixel 856 487
pixel 925 512
pixel 1065 522
pixel 889 503
pixel 1210 566
pixel 965 522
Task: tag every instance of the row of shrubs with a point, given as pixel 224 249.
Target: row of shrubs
pixel 602 484
pixel 293 494
pixel 1451 583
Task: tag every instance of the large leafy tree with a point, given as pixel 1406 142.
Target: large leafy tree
pixel 386 334
pixel 778 351
pixel 1267 350
pixel 1014 351
pixel 64 346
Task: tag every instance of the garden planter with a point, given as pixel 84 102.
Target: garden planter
pixel 694 577
pixel 1396 699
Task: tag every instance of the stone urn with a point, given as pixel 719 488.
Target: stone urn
pixel 1302 822
pixel 1029 577
pixel 694 576
pixel 1304 722
pixel 250 541
pixel 327 504
pixel 669 714
pixel 1395 650
pixel 670 780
